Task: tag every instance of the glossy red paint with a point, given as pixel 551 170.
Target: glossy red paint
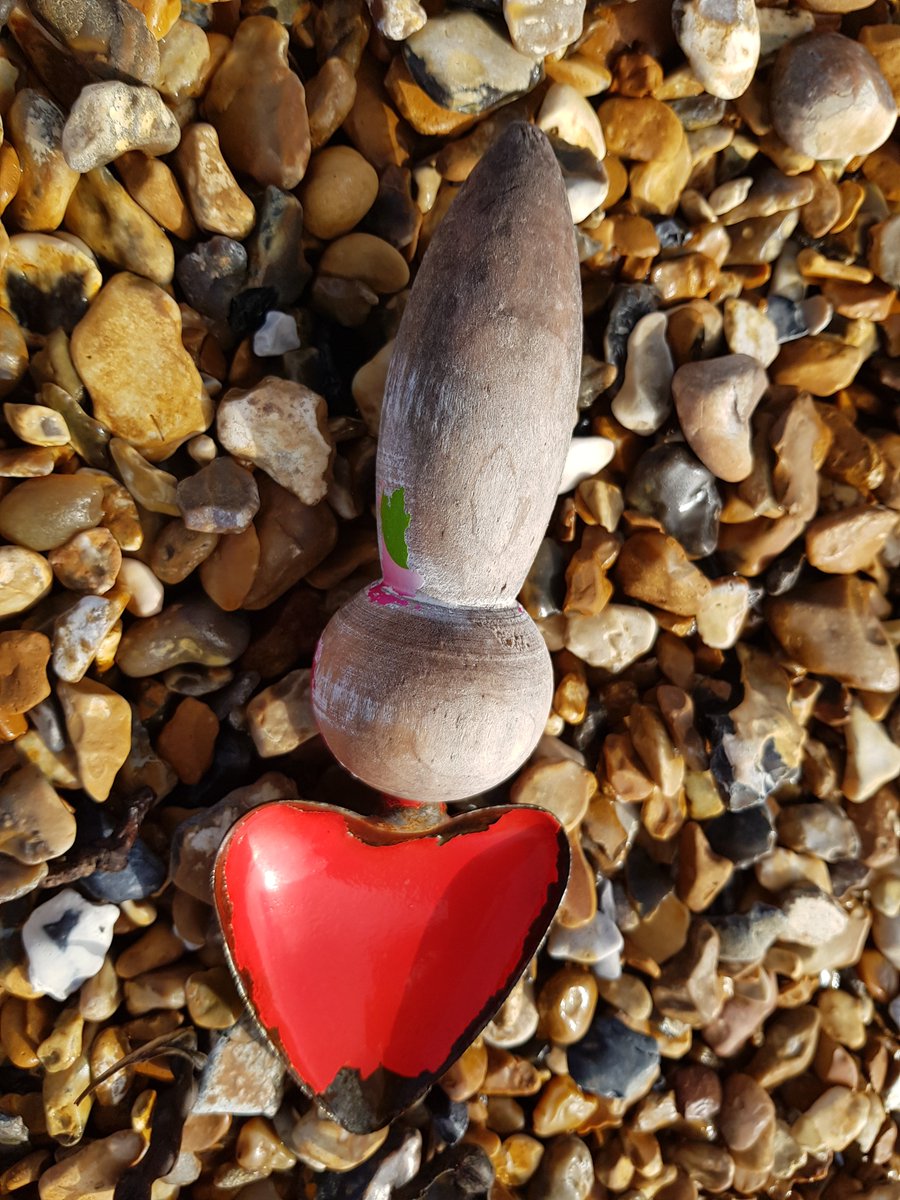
pixel 373 956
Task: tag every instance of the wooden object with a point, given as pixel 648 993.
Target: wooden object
pixel 434 684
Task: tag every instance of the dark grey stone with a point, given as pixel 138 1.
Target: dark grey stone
pixel 669 483
pixel 613 1060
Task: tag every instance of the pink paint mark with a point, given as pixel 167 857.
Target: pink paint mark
pixel 403 581
pixel 379 593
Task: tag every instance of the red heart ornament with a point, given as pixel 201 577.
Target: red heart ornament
pixel 372 957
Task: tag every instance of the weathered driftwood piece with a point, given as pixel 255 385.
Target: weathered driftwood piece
pixel 434 684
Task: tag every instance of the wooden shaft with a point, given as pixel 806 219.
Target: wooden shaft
pixel 435 685
pixel 481 394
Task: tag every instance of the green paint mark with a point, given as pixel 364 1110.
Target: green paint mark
pixel 394 520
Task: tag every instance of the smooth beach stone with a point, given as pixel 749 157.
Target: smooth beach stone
pixel 94 1170
pixel 111 118
pixel 217 202
pixel 151 183
pixel 41 514
pixel 185 58
pixel 98 722
pixel 105 217
pixel 192 631
pixel 257 104
pixel 397 19
pixel 750 331
pixel 128 351
pixel 338 190
pixel 65 940
pixel 23 661
pixel 110 39
pixel 276 257
pixel 715 400
pixel 721 41
pixel 829 98
pixel 541 27
pixel 281 427
pixel 212 274
pixel 330 95
pixel 673 486
pixel 280 717
pixel 88 562
pixel 47 283
pixel 613 1060
pixel 35 824
pixel 25 578
pixel 613 638
pixel 221 497
pixel 34 125
pixel 80 631
pixel 566 115
pixel 830 629
pixel 465 65
pixel 645 399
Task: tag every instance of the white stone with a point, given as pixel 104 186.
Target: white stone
pixel 586 457
pixel 66 940
pixel 613 638
pixel 276 335
pixel 721 40
pixel 585 194
pixel 567 115
pixel 542 26
pixel 397 19
pixel 749 331
pixel 645 398
pixel 146 592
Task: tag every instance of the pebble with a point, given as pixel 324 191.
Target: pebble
pixel 832 1122
pixel 35 824
pixel 464 64
pixel 715 400
pixel 613 638
pixel 34 126
pixel 65 940
pixel 873 757
pixel 597 944
pixel 190 631
pixel 89 562
pixel 566 1004
pixel 750 332
pixel 850 540
pixel 277 335
pixel 80 632
pixel 326 1146
pixel 47 283
pixel 112 117
pixel 276 247
pixel 338 190
pixel 212 274
pixel 566 115
pixel 721 41
pixel 242 1075
pixel 614 1060
pixel 106 218
pixel 36 424
pixel 830 629
pixel 586 457
pixel 221 497
pixel 42 514
pixel 281 427
pixel 151 183
pixel 217 203
pixel 108 39
pixel 94 1170
pixel 293 539
pixel 134 378
pixel 98 721
pixel 397 19
pixel 563 787
pixel 187 740
pixel 539 28
pixel 670 484
pixel 258 106
pixel 645 399
pixel 821 829
pixel 689 988
pixel 280 717
pixel 829 99
pixel 654 569
pixel 142 875
pixel 23 670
